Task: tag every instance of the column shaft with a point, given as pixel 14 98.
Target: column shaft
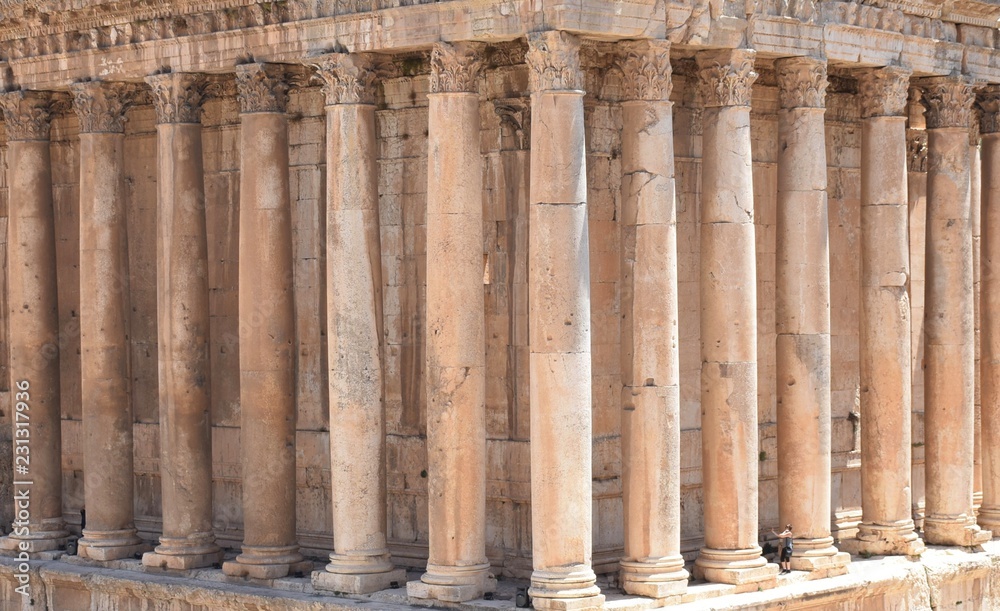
pixel 975 198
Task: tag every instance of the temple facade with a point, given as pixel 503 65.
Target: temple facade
pixel 327 300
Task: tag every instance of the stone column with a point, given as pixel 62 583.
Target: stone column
pixel 989 127
pixel 457 568
pixel 949 353
pixel 559 328
pixel 360 562
pixel 976 221
pixel 188 540
pixel 728 324
pixel 653 565
pixel 267 331
pixel 802 317
pixel 104 306
pixel 886 522
pixel 33 325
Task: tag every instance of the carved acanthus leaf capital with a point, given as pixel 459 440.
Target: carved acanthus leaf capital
pixel 883 92
pixel 101 105
pixel 988 102
pixel 947 101
pixel 726 77
pixel 27 114
pixel 177 97
pixel 553 60
pixel 455 67
pixel 646 70
pixel 802 82
pixel 916 150
pixel 261 88
pixel 348 78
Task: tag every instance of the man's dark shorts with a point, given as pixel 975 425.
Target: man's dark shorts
pixel 786 554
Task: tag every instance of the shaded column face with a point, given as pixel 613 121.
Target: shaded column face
pixel 559 329
pixel 728 324
pixel 949 354
pixel 33 323
pixel 104 307
pixel 652 565
pixel 188 540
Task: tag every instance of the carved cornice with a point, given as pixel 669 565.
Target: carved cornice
pixel 883 92
pixel 27 114
pixel 802 82
pixel 348 78
pixel 947 101
pixel 177 97
pixel 553 60
pixel 726 78
pixel 916 150
pixel 101 105
pixel 988 102
pixel 646 70
pixel 455 67
pixel 261 88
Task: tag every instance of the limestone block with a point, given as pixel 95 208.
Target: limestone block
pixel 558 171
pixel 728 295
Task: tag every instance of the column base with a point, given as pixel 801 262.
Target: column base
pixel 819 556
pixel 35 543
pixel 573 587
pixel 880 540
pixel 452 584
pixel 736 567
pixel 105 546
pixel 954 531
pixel 184 553
pixel 258 562
pixel 657 578
pixel 361 583
pixel 989 519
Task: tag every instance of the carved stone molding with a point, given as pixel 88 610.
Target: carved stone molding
pixel 261 88
pixel 348 78
pixel 553 60
pixel 646 70
pixel 455 67
pixel 916 150
pixel 27 114
pixel 883 91
pixel 726 78
pixel 177 97
pixel 947 101
pixel 988 102
pixel 802 82
pixel 101 105
pixel 515 123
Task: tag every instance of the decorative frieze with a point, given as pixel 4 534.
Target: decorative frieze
pixel 261 88
pixel 883 91
pixel 646 70
pixel 553 60
pixel 948 101
pixel 101 105
pixel 177 97
pixel 802 82
pixel 27 114
pixel 726 78
pixel 455 67
pixel 916 150
pixel 348 78
pixel 988 102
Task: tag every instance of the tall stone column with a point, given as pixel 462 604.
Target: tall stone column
pixel 267 331
pixel 104 306
pixel 949 353
pixel 457 568
pixel 886 522
pixel 975 199
pixel 653 565
pixel 559 330
pixel 188 540
pixel 802 316
pixel 360 562
pixel 33 324
pixel 728 324
pixel 989 128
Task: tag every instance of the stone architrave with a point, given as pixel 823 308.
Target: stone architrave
pixel 729 325
pixel 188 539
pixel 559 330
pixel 457 568
pixel 360 562
pixel 886 523
pixel 949 332
pixel 33 323
pixel 802 317
pixel 266 331
pixel 651 461
pixel 989 128
pixel 110 532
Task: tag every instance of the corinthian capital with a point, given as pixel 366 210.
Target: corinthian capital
pixel 177 97
pixel 261 88
pixel 348 78
pixel 27 114
pixel 947 101
pixel 645 65
pixel 988 102
pixel 801 82
pixel 883 92
pixel 101 105
pixel 726 77
pixel 553 60
pixel 455 67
